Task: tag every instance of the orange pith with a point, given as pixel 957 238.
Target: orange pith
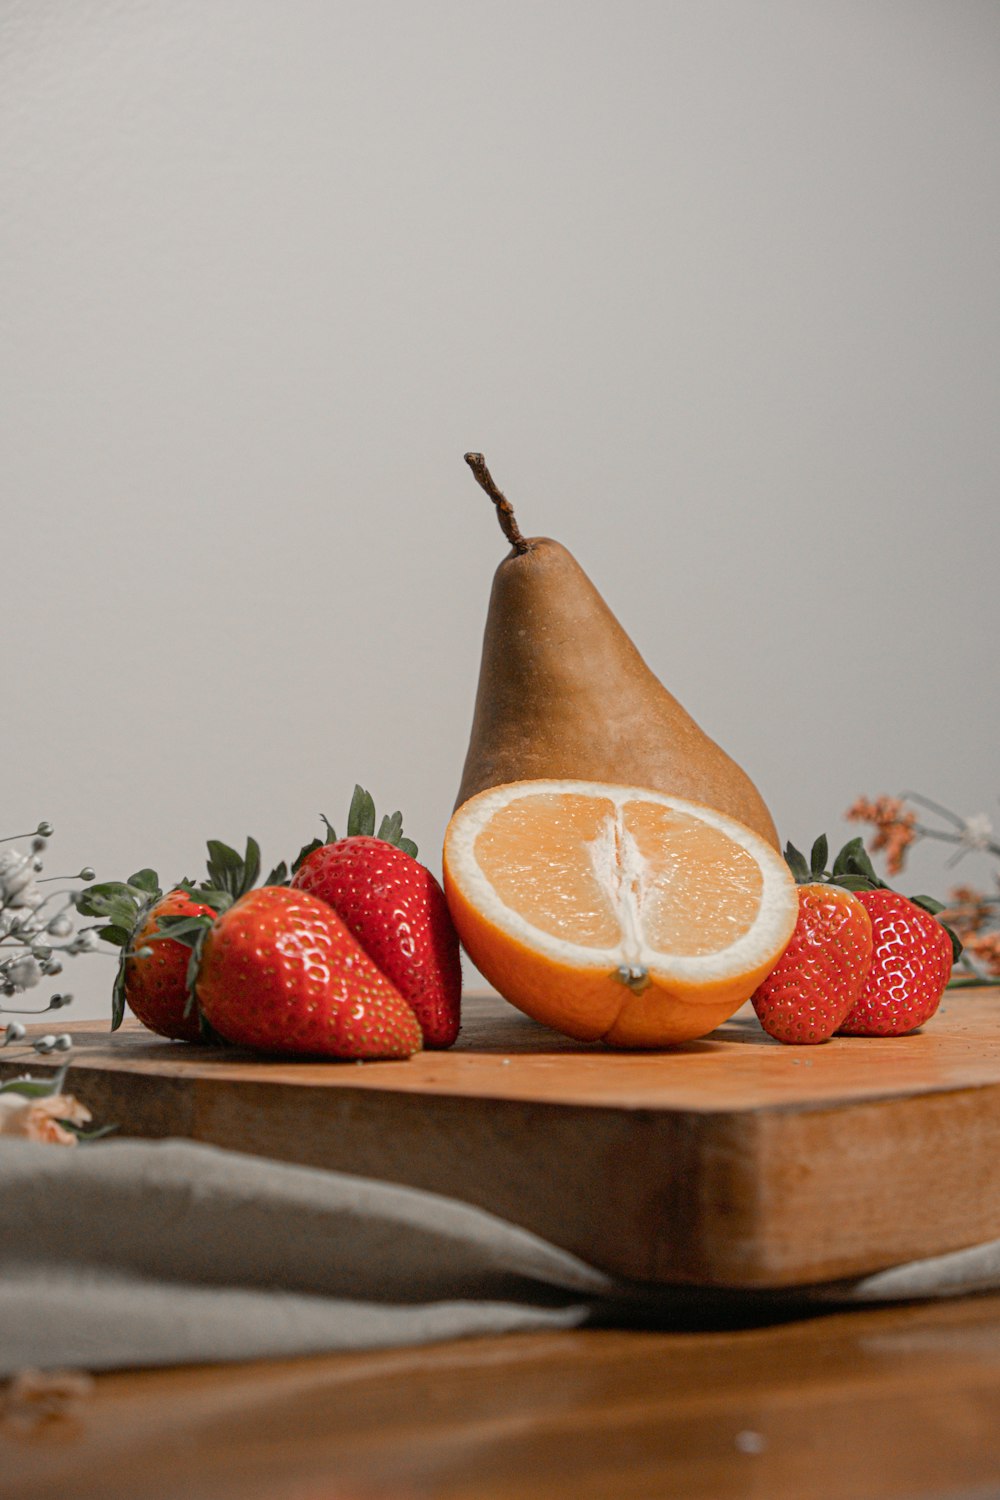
pixel 615 913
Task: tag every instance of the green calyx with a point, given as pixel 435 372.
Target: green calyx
pixel 852 870
pixel 361 819
pixel 122 906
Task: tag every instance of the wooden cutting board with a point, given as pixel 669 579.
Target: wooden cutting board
pixel 731 1161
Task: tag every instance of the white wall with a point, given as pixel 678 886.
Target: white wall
pixel 713 285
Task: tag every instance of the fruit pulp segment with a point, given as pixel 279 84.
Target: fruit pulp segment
pixel 699 891
pixel 534 853
pixel 632 877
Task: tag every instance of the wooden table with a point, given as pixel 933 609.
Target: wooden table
pixel 895 1402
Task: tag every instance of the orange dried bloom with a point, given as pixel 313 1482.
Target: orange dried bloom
pixel 894 827
pixel 39 1119
pixel 967 911
pixel 985 946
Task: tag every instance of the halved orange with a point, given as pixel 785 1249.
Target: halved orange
pixel 615 913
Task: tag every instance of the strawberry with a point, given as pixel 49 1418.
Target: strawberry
pixel 397 911
pixel 912 952
pixel 278 971
pixel 156 975
pixel 819 977
pixel 910 967
pixel 151 977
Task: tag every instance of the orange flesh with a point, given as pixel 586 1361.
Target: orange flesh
pixel 533 853
pixel 570 866
pixel 687 865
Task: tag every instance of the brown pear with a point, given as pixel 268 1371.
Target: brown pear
pixel 564 693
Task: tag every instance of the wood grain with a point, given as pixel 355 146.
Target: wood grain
pixel 733 1161
pixel 892 1402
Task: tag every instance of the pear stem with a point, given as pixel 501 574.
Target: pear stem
pixel 505 511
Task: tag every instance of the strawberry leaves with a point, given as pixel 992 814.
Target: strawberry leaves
pixel 361 817
pixel 808 871
pixel 123 906
pixel 229 873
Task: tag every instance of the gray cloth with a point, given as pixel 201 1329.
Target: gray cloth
pixel 132 1253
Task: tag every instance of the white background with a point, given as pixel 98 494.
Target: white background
pixel 713 285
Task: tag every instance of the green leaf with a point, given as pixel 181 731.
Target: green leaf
pixel 305 852
pixel 225 867
pixel 145 880
pixel 818 857
pixel 191 974
pixel 957 947
pixel 361 817
pixel 181 929
pixel 124 912
pixel 331 835
pixel 853 882
pixel 232 873
pixel 118 995
pixel 120 936
pixel 98 900
pixel 928 904
pixel 191 980
pixel 251 866
pixel 206 895
pixel 278 876
pixel 860 864
pixel 391 827
pixel 36 1088
pixel 86 1136
pixel 842 863
pixel 796 862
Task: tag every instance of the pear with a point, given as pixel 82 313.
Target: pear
pixel 564 693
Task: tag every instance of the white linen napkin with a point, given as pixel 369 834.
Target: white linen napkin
pixel 131 1253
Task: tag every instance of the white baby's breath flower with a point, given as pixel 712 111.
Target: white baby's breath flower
pixel 61 925
pixel 977 831
pixel 16 871
pixel 24 973
pixel 28 897
pixel 84 942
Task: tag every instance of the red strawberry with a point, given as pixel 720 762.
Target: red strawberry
pixel 156 980
pixel 397 911
pixel 911 965
pixel 821 973
pixel 152 970
pixel 279 972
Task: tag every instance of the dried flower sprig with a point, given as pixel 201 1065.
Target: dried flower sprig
pixel 38 1110
pixel 37 932
pixel 974 914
